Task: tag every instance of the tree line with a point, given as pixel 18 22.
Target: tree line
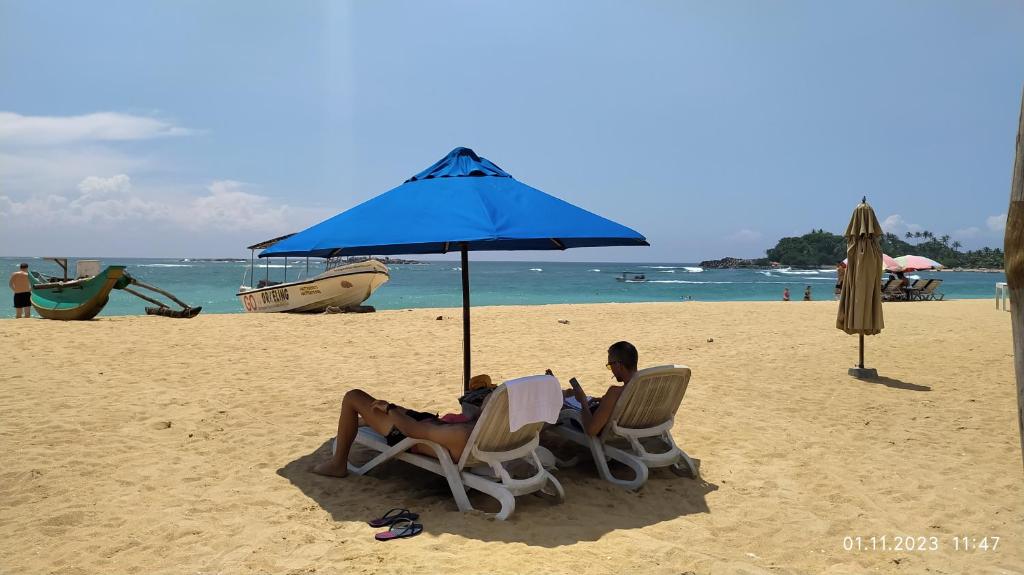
pixel 821 248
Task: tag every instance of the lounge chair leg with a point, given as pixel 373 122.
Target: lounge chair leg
pixel 639 468
pixel 689 471
pixel 454 477
pixel 556 493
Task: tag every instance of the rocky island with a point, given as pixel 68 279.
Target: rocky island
pixel 733 263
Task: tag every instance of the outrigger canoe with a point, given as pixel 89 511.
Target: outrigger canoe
pixel 78 299
pixel 83 298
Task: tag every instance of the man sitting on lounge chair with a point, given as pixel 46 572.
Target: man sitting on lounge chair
pixel 595 412
pixel 395 423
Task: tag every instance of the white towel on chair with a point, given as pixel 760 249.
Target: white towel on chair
pixel 533 399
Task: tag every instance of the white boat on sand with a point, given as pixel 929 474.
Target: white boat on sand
pixel 342 285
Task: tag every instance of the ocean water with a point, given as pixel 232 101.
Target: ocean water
pixel 213 285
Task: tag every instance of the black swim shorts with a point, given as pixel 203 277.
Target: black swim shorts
pixel 23 299
pixel 395 437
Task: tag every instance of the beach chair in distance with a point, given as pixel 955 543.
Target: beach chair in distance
pixel 892 291
pixel 644 414
pixel 491 445
pixel 929 293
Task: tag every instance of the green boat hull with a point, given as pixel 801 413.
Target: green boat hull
pixel 76 299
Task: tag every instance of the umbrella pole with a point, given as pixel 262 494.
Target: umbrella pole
pixel 465 318
pixel 861 364
pixel 1013 245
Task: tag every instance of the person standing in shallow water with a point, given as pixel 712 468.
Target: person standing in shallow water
pixel 785 294
pixel 22 292
pixel 807 293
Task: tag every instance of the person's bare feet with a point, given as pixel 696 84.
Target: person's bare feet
pixel 332 469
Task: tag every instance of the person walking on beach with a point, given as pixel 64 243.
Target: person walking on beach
pixel 785 294
pixel 22 292
pixel 807 293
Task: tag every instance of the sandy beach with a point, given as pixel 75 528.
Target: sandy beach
pixel 149 445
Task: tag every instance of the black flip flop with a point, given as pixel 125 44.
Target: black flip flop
pixel 400 530
pixel 391 516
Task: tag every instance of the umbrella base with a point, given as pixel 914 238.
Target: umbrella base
pixel 863 372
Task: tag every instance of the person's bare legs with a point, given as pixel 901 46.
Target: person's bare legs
pixel 354 404
pixel 452 437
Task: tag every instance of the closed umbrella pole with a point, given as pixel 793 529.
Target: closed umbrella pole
pixel 1013 244
pixel 860 299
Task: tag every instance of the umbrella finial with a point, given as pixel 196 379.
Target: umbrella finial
pixel 864 199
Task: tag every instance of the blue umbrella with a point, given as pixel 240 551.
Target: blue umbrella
pixel 461 203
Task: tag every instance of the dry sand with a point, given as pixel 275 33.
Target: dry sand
pixel 150 445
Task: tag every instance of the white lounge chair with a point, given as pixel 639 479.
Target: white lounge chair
pixel 645 412
pixel 482 466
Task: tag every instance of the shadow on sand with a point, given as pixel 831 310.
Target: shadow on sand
pixel 535 521
pixel 897 384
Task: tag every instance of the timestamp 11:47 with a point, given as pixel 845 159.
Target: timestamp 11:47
pixel 919 543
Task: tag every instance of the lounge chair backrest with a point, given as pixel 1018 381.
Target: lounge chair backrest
pixel 651 398
pixel 919 284
pixel 931 287
pixel 491 432
pixel 893 287
pixel 886 285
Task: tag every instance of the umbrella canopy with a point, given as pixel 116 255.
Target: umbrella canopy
pixel 462 198
pixel 915 263
pixel 860 300
pixel 461 203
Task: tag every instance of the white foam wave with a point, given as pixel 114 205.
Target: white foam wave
pixel 536 269
pixel 693 270
pixel 765 273
pixel 798 272
pixel 594 270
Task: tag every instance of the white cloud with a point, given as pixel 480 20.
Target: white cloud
pixel 895 224
pixel 996 223
pixel 746 235
pixel 96 187
pixel 19 131
pixel 223 206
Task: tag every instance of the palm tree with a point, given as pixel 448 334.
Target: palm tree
pixel 927 234
pixel 957 245
pixel 917 234
pixel 945 240
pixel 910 235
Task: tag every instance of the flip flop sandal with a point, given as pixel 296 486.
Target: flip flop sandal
pixel 400 530
pixel 391 516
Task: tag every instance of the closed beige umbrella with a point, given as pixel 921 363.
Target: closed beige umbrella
pixel 860 301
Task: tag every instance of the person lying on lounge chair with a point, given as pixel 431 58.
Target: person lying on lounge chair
pixel 595 411
pixel 395 423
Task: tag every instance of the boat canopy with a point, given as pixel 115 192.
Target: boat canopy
pixel 267 243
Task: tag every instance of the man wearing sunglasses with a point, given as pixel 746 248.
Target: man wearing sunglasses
pixel 595 412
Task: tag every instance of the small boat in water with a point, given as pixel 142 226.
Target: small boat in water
pixel 85 296
pixel 631 277
pixel 343 286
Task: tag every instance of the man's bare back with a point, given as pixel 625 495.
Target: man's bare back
pixel 19 282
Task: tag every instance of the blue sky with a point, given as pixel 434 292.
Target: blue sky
pixel 193 128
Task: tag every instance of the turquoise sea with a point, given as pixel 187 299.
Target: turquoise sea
pixel 213 284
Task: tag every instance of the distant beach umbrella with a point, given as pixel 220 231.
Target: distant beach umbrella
pixel 917 263
pixel 860 300
pixel 461 203
pixel 888 264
